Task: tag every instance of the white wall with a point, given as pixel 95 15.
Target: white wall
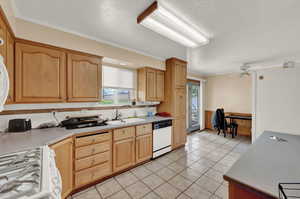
pixel 277 97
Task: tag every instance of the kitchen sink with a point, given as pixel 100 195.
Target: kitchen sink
pixel 125 121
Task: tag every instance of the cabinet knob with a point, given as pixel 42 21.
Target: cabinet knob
pixel 93 140
pixel 93 150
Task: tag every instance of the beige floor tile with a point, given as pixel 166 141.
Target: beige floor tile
pixel 215 175
pixel 180 182
pixel 153 166
pixel 183 196
pixel 167 191
pixel 222 192
pixel 126 179
pixel 108 187
pixel 138 190
pixel 153 181
pixel 89 194
pixel 191 174
pixel 215 197
pixel 141 172
pixel 151 195
pixel 196 192
pixel 166 173
pixel 221 167
pixel 120 195
pixel 208 184
pixel 164 160
pixel 177 168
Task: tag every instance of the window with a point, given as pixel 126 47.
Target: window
pixel 118 85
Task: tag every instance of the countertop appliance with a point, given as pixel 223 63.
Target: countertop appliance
pixel 19 125
pixel 162 137
pixel 30 174
pixel 83 122
pixel 4 83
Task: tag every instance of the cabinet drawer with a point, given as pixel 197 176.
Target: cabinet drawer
pixel 92 139
pixel 92 149
pixel 92 160
pixel 92 174
pixel 124 133
pixel 143 129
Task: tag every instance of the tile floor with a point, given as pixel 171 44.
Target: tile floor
pixel 195 171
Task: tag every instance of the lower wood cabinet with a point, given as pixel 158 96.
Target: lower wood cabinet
pixel 143 146
pixel 64 162
pixel 179 132
pixel 123 154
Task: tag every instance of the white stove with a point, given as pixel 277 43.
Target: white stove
pixel 29 174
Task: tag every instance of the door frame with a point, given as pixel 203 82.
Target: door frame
pixel 189 127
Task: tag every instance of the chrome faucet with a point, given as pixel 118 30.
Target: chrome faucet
pixel 117 115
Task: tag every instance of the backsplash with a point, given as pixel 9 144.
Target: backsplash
pixel 39 118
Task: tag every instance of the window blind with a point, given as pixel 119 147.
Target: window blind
pixel 114 77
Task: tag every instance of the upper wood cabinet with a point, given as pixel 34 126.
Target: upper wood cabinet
pixel 3 33
pixel 151 84
pixel 10 64
pixel 180 74
pixel 84 78
pixel 64 162
pixel 40 74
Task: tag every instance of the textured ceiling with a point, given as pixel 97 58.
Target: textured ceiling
pixel 255 31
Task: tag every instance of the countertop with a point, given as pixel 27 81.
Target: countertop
pixel 12 142
pixel 267 163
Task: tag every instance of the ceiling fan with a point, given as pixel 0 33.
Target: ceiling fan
pixel 246 68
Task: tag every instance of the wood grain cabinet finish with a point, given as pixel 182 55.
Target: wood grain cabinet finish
pixel 123 154
pixel 3 33
pixel 175 99
pixel 10 64
pixel 143 148
pixel 84 78
pixel 64 162
pixel 40 74
pixel 151 84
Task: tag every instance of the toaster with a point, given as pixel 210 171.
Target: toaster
pixel 19 125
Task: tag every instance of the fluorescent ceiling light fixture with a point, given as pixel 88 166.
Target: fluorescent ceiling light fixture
pixel 162 21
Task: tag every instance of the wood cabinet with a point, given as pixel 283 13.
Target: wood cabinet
pixel 93 157
pixel 143 148
pixel 84 78
pixel 123 149
pixel 64 162
pixel 3 32
pixel 151 84
pixel 175 100
pixel 10 65
pixel 40 74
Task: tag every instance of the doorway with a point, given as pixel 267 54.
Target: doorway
pixel 193 99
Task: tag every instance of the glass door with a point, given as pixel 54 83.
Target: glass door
pixel 193 106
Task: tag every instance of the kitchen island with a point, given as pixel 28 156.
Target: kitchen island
pixel 273 158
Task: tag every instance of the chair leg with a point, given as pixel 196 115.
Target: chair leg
pixel 232 132
pixel 219 131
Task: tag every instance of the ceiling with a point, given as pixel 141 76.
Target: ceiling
pixel 255 31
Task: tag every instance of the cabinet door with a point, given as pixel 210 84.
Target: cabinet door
pixel 3 37
pixel 151 85
pixel 123 154
pixel 179 132
pixel 40 74
pixel 143 148
pixel 160 85
pixel 64 162
pixel 180 75
pixel 180 102
pixel 84 78
pixel 10 64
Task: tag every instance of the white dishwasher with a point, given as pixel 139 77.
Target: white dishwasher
pixel 162 137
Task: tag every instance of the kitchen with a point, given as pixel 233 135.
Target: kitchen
pixel 91 112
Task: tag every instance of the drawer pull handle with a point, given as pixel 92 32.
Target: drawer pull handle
pixel 93 140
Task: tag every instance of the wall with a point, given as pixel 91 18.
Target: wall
pixel 230 92
pixel 277 101
pixel 7 7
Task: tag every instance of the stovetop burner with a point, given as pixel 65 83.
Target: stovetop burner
pixel 20 173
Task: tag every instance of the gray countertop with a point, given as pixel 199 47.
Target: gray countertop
pixel 267 163
pixel 12 142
